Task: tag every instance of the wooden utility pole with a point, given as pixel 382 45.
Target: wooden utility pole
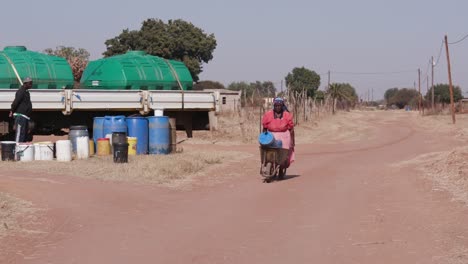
pixel 419 88
pixel 432 84
pixel 452 106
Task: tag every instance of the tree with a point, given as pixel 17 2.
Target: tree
pixel 203 85
pixel 403 97
pixel 390 93
pixel 77 58
pixel 442 93
pixel 255 91
pixel 177 40
pixel 343 93
pixel 301 79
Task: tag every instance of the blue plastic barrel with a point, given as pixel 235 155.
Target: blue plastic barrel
pixel 98 129
pixel 114 124
pixel 159 135
pixel 138 127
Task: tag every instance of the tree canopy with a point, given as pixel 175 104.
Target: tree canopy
pixel 403 97
pixel 202 85
pixel 442 93
pixel 176 39
pixel 77 58
pixel 254 91
pixel 303 79
pixel 390 93
pixel 343 93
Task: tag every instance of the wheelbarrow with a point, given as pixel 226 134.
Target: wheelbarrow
pixel 274 162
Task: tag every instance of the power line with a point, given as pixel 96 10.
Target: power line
pixel 440 53
pixel 458 41
pixel 374 73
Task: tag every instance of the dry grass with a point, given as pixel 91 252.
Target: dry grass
pixel 235 129
pixel 173 170
pixel 11 209
pixel 447 169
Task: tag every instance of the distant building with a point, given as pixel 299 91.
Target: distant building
pixel 228 100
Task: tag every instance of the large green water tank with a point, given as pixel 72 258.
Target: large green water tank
pixel 136 70
pixel 47 72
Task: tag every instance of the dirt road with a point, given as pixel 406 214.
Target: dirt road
pixel 343 202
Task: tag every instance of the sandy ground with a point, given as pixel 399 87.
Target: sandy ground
pixel 367 187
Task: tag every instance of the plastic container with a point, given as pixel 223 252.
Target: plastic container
pixel 132 145
pixel 25 152
pixel 120 151
pixel 82 150
pixel 91 147
pixel 63 150
pixel 76 132
pixel 119 137
pixel 44 151
pixel 98 129
pixel 114 124
pixel 8 150
pixel 266 139
pixel 103 147
pixel 159 135
pixel 47 72
pixel 138 128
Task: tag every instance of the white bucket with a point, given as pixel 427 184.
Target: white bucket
pixel 25 151
pixel 63 150
pixel 82 147
pixel 158 112
pixel 44 151
pixel 37 151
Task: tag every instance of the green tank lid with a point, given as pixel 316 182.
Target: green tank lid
pixel 136 70
pixel 47 72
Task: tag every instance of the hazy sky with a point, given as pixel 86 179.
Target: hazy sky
pixel 264 40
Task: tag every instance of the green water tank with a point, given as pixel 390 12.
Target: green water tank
pixel 47 72
pixel 136 70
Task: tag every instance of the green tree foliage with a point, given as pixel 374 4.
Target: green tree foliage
pixel 303 79
pixel 343 93
pixel 403 97
pixel 77 58
pixel 254 92
pixel 442 94
pixel 319 95
pixel 202 85
pixel 177 40
pixel 390 93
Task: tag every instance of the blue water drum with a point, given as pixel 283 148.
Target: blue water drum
pixel 98 129
pixel 114 124
pixel 159 135
pixel 138 127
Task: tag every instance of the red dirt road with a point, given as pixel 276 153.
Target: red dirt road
pixel 342 203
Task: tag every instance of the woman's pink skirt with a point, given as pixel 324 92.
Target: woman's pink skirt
pixel 285 137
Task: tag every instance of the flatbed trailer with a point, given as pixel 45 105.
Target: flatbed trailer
pixel 56 109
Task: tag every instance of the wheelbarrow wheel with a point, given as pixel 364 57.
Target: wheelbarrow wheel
pixel 281 174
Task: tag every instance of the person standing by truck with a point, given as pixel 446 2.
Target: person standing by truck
pixel 21 110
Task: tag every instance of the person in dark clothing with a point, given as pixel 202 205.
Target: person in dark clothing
pixel 21 110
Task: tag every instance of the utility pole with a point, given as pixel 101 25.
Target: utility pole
pixel 372 94
pixel 452 107
pixel 281 86
pixel 432 84
pixel 419 88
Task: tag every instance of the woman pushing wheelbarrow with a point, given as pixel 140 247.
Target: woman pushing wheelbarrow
pixel 277 141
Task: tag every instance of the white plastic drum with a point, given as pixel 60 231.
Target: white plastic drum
pixel 63 150
pixel 82 147
pixel 25 152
